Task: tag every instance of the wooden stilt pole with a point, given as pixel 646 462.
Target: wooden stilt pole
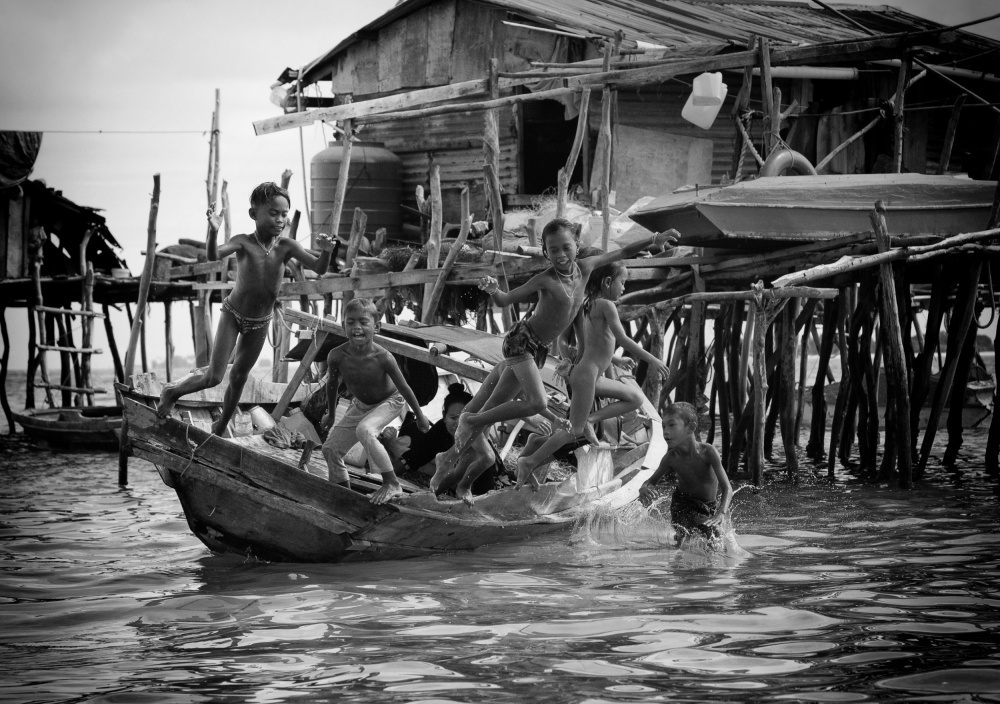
pixel 125 447
pixel 653 384
pixel 29 391
pixel 957 402
pixel 897 386
pixel 760 395
pixel 112 344
pixel 800 389
pixel 949 135
pixel 168 330
pixel 604 141
pixel 843 310
pixel 993 439
pixel 767 97
pixel 940 287
pixel 66 378
pixel 817 430
pixel 961 321
pixel 86 321
pixel 307 359
pixel 786 389
pixel 4 359
pixel 38 239
pixel 720 385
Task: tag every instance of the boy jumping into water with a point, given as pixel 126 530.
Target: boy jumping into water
pixel 246 311
pixel 694 506
pixel 560 290
pixel 380 393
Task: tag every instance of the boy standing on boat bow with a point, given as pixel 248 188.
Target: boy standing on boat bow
pixel 246 311
pixel 380 393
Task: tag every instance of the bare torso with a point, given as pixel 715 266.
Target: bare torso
pixel 364 374
pixel 559 300
pixel 598 337
pixel 258 276
pixel 694 472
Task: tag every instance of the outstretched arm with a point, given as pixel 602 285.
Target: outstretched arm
pixel 392 369
pixel 318 264
pixel 646 491
pixel 663 239
pixel 727 488
pixel 506 298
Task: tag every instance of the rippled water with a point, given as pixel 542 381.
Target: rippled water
pixel 836 593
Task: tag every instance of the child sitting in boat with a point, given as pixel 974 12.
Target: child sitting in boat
pixel 560 290
pixel 695 506
pixel 601 331
pixel 380 393
pixel 246 311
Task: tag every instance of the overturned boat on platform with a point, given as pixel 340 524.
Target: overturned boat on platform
pixel 243 495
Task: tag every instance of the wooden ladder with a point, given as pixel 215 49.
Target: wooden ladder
pixel 86 312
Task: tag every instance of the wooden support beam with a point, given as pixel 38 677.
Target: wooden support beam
pixel 496 206
pixel 840 406
pixel 432 302
pixel 433 242
pixel 767 97
pixel 900 121
pixel 566 172
pixel 113 345
pixel 81 350
pixel 72 389
pixel 949 135
pixel 69 311
pixel 897 382
pixel 307 359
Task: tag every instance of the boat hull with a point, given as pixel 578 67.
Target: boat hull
pixel 87 427
pixel 243 496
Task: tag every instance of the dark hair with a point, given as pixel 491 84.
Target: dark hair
pixel 595 282
pixel 456 394
pixel 362 305
pixel 683 410
pixel 265 192
pixel 557 225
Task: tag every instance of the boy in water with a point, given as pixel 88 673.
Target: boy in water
pixel 694 506
pixel 380 394
pixel 246 311
pixel 560 291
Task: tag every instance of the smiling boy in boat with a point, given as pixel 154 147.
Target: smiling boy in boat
pixel 380 393
pixel 247 310
pixel 695 505
pixel 560 291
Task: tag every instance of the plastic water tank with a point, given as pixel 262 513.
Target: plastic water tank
pixel 374 184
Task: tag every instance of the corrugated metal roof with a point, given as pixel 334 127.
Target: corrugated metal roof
pixel 676 23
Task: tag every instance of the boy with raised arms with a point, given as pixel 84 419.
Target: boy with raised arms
pixel 247 310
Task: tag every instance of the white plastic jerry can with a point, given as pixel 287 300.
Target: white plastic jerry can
pixel 706 99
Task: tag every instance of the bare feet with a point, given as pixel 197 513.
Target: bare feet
pixel 389 490
pixel 465 494
pixel 465 430
pixel 590 435
pixel 168 397
pixel 221 430
pixel 524 472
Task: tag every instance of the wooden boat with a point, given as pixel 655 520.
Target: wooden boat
pixel 72 427
pixel 244 496
pixel 798 209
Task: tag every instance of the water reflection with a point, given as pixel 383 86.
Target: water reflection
pixel 819 593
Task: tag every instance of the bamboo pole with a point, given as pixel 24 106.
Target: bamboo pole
pixel 125 449
pixel 431 305
pixel 897 384
pixel 433 241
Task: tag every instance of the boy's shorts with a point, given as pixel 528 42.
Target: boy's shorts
pixel 521 340
pixel 688 514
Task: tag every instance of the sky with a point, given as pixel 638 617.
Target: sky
pixel 123 90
